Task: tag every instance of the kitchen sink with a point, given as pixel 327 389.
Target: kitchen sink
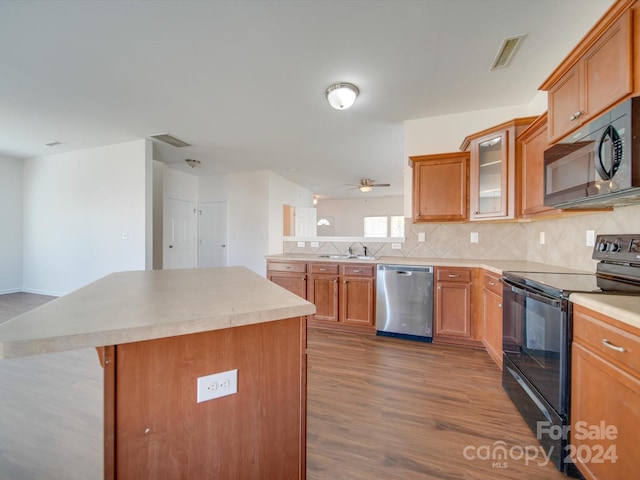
pixel 351 257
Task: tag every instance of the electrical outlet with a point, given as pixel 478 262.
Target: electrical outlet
pixel 301 244
pixel 315 244
pixel 421 236
pixel 591 238
pixel 217 385
pixel 474 237
pixel 542 238
pixel 396 246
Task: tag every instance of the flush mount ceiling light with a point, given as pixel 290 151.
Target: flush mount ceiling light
pixel 192 162
pixel 342 95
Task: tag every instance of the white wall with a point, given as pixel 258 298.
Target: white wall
pixel 348 214
pixel 283 192
pixel 78 209
pixel 255 202
pixel 426 136
pixel 11 221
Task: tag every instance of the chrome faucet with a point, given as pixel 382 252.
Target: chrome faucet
pixel 351 250
pixel 366 251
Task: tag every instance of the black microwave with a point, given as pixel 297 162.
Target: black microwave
pixel 598 165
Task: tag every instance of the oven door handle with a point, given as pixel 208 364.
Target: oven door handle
pixel 531 395
pixel 534 296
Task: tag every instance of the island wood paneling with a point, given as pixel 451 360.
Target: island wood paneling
pixel 162 433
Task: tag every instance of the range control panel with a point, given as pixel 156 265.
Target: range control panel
pixel 618 248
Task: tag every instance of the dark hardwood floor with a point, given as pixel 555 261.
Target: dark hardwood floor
pixel 384 408
pixel 378 408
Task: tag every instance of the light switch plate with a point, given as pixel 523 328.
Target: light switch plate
pixel 217 385
pixel 542 238
pixel 396 246
pixel 591 238
pixel 474 237
pixel 301 244
pixel 421 236
pixel 315 244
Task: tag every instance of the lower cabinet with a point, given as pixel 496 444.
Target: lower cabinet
pixel 289 275
pixel 492 316
pixel 605 396
pixel 322 290
pixel 453 307
pixel 343 293
pixel 357 298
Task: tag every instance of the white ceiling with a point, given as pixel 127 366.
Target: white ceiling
pixel 244 81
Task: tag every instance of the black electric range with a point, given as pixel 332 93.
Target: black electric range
pixel 537 334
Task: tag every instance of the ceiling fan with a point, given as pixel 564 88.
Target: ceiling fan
pixel 367 184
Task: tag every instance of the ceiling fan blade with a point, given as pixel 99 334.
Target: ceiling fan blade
pixel 381 185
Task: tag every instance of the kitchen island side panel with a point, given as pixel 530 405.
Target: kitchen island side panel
pixel 160 430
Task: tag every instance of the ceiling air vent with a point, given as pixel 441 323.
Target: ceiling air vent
pixel 507 51
pixel 171 140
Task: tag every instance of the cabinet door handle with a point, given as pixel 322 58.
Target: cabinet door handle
pixel 610 345
pixel 323 269
pixel 499 305
pixel 453 276
pixel 357 271
pixel 287 267
pixel 575 115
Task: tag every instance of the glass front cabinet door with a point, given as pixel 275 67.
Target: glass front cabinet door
pixel 492 170
pixel 489 174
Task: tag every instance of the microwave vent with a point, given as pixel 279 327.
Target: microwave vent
pixel 507 51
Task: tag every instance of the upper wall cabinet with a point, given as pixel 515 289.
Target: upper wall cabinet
pixel 530 149
pixel 492 182
pixel 440 187
pixel 597 73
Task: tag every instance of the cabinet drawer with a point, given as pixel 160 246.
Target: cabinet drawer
pixel 358 270
pixel 493 283
pixel 453 275
pixel 300 267
pixel 323 268
pixel 616 345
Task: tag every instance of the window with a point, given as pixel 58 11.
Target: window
pixel 375 226
pixel 384 226
pixel 397 226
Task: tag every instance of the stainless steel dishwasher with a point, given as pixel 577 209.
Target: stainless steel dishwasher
pixel 404 302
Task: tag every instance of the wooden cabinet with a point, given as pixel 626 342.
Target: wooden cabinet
pixel 595 76
pixel 357 299
pixel 492 316
pixel 441 187
pixel 322 290
pixel 492 181
pixel 605 396
pixel 343 293
pixel 531 146
pixel 289 275
pixel 453 306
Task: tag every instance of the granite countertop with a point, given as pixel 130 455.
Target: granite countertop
pixel 143 305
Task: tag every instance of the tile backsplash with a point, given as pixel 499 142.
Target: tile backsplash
pixel 565 239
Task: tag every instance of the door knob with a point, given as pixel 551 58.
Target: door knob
pixel 170 246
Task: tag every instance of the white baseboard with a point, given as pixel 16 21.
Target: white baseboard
pixel 11 290
pixel 41 292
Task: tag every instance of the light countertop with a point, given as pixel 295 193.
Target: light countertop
pixel 621 307
pixel 142 305
pixel 495 266
pixel 624 308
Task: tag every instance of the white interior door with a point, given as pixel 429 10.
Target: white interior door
pixel 180 234
pixel 213 234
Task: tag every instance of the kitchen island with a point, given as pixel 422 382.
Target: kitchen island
pixel 156 332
